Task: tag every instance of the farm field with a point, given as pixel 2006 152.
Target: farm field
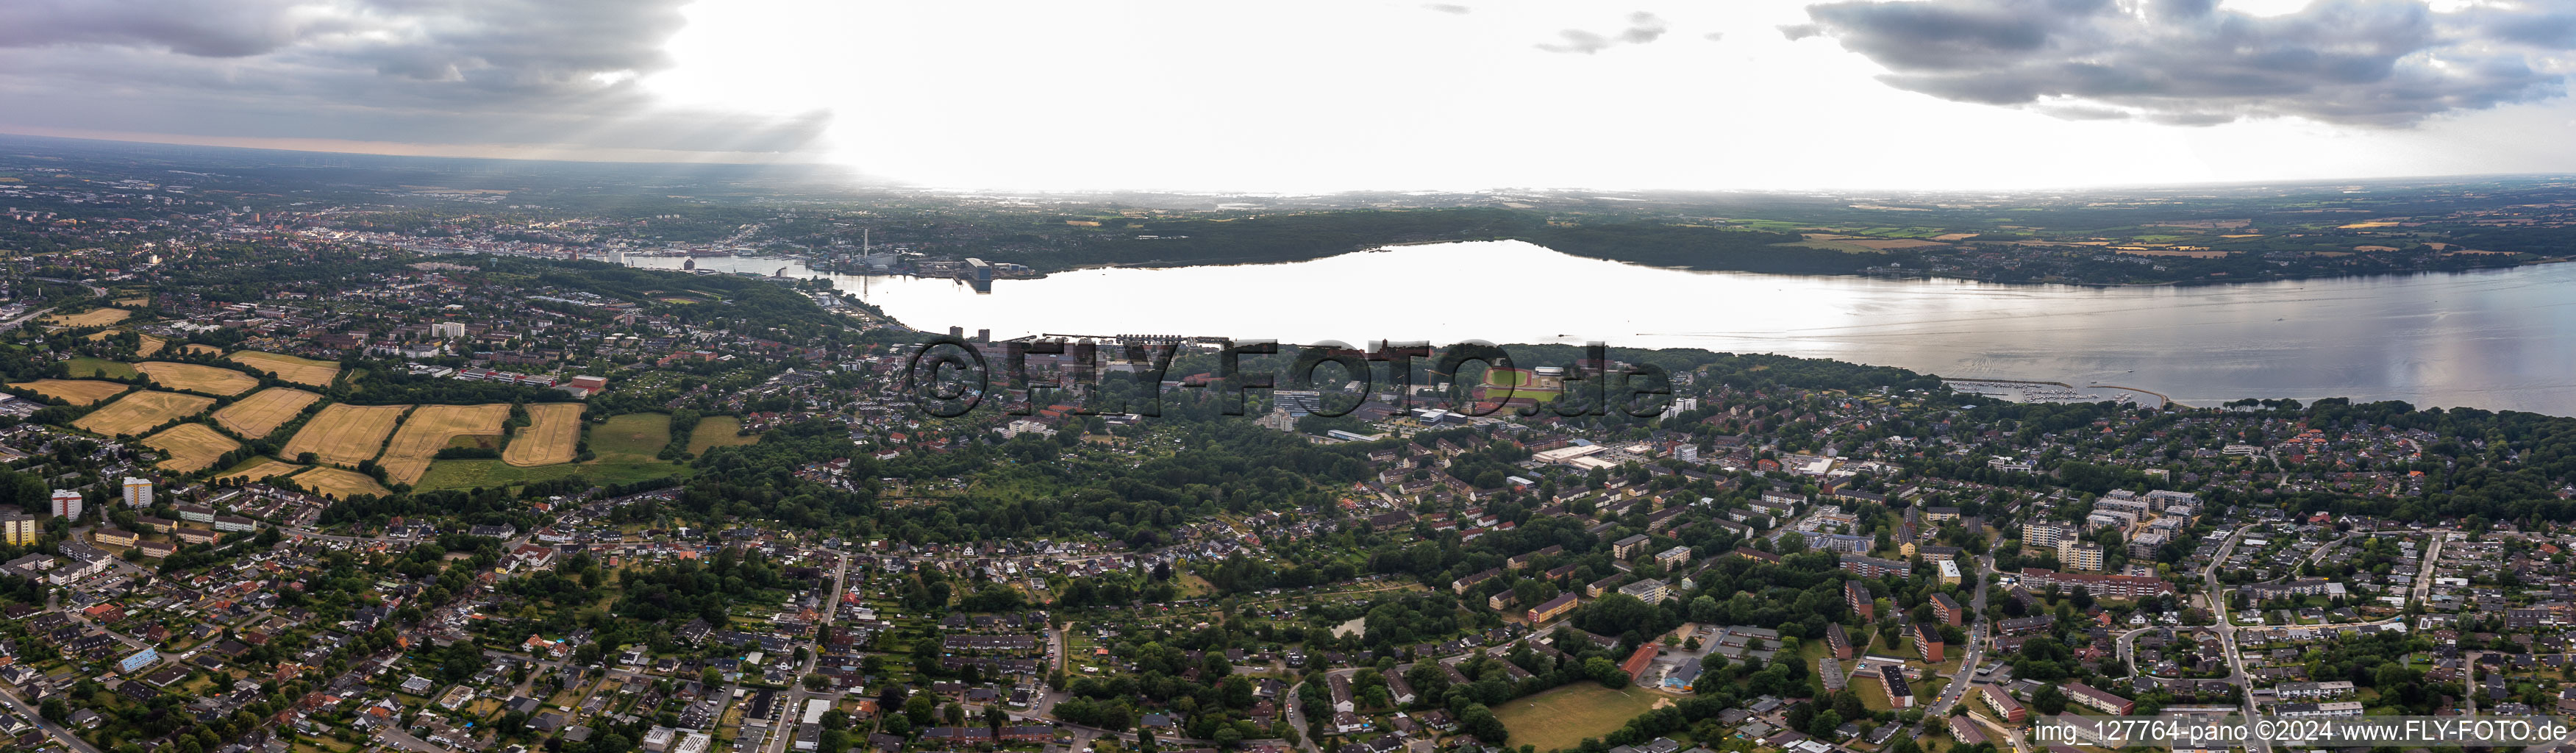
pixel 718 431
pixel 88 367
pixel 634 436
pixel 195 348
pixel 1561 718
pixel 198 378
pixel 339 483
pixel 430 429
pixel 136 301
pixel 74 391
pixel 191 446
pixel 469 474
pixel 343 434
pixel 90 318
pixel 260 467
pixel 553 435
pixel 255 416
pixel 141 411
pixel 150 345
pixel 304 371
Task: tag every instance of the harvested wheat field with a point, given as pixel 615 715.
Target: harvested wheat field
pixel 430 429
pixel 255 416
pixel 196 378
pixel 191 446
pixel 140 301
pixel 339 483
pixel 141 411
pixel 267 467
pixel 150 345
pixel 303 371
pixel 196 348
pixel 90 318
pixel 552 435
pixel 343 434
pixel 74 391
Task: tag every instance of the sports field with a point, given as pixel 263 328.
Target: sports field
pixel 261 467
pixel 430 429
pixel 90 318
pixel 718 431
pixel 343 434
pixel 255 416
pixel 339 483
pixel 1561 718
pixel 141 411
pixel 191 446
pixel 197 378
pixel 74 391
pixel 552 435
pixel 304 371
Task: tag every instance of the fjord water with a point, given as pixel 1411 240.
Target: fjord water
pixel 2500 339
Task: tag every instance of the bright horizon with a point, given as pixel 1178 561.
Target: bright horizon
pixel 1783 95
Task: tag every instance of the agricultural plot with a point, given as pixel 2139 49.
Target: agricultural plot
pixel 86 366
pixel 552 436
pixel 139 412
pixel 339 483
pixel 136 301
pixel 343 434
pixel 150 345
pixel 74 391
pixel 255 416
pixel 304 371
pixel 197 348
pixel 197 378
pixel 90 318
pixel 430 429
pixel 191 446
pixel 633 436
pixel 259 468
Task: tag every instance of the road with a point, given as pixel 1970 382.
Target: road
pixel 52 730
pixel 794 705
pixel 1958 690
pixel 93 289
pixel 2227 630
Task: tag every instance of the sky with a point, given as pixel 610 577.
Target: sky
pixel 1330 96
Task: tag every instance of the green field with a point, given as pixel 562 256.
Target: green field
pixel 88 367
pixel 634 436
pixel 1561 718
pixel 718 431
pixel 469 474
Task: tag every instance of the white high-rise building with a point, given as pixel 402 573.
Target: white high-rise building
pixel 67 503
pixel 138 492
pixel 447 330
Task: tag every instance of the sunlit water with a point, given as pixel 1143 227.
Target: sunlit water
pixel 2502 339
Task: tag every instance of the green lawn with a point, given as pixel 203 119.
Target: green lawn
pixel 718 431
pixel 1561 718
pixel 469 474
pixel 634 436
pixel 88 367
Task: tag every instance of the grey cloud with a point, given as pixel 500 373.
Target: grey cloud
pixel 433 71
pixel 1643 27
pixel 2363 62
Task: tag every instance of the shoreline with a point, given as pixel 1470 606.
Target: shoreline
pixel 1901 275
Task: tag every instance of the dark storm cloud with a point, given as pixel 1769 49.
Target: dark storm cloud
pixel 2187 62
pixel 1643 27
pixel 435 71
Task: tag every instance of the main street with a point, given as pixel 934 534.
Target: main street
pixel 2236 674
pixel 1975 651
pixel 52 730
